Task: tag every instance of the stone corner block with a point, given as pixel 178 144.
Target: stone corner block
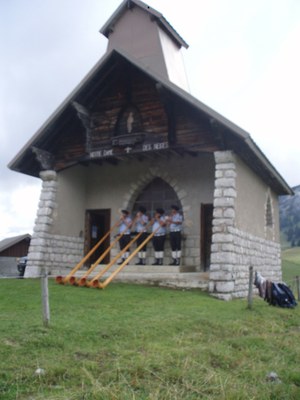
pixel 48 175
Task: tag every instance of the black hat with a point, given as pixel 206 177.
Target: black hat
pixel 160 211
pixel 142 209
pixel 173 207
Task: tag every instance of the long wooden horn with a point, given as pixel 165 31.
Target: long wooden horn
pixel 94 281
pixel 62 280
pixel 113 274
pixel 82 280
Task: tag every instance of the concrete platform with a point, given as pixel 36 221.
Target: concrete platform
pixel 158 275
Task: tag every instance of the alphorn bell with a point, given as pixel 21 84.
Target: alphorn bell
pixel 82 281
pixel 61 280
pixel 94 282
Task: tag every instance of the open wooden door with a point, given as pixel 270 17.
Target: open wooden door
pixel 97 223
pixel 206 235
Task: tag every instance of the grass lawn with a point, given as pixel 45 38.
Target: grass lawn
pixel 292 254
pixel 291 267
pixel 135 342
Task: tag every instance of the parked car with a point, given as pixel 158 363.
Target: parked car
pixel 22 265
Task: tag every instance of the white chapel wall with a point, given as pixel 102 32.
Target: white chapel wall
pixel 110 187
pixel 251 200
pixel 71 202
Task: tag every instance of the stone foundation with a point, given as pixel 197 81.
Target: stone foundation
pixel 234 251
pixel 53 252
pixel 233 254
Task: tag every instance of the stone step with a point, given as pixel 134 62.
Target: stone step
pixel 145 268
pixel 192 280
pixel 158 275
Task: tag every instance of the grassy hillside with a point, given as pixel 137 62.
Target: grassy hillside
pixel 289 213
pixel 291 266
pixel 135 342
pixel 292 255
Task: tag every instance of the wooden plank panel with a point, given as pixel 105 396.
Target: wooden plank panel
pixel 192 129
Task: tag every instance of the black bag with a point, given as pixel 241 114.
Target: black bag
pixel 289 293
pixel 282 296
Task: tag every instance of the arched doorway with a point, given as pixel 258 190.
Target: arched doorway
pixel 157 194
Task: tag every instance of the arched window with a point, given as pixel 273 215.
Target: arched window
pixel 157 194
pixel 269 213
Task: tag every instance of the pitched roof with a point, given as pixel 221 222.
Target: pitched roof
pixel 155 15
pixel 11 241
pixel 243 137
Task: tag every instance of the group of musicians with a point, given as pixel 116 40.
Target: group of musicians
pixel 159 225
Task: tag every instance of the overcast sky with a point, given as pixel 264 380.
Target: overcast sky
pixel 243 62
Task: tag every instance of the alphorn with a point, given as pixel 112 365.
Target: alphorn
pixel 94 282
pixel 62 280
pixel 82 281
pixel 102 285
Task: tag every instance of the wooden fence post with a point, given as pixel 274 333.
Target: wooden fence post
pixel 250 289
pixel 45 298
pixel 298 286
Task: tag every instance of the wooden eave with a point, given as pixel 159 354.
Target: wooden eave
pixel 233 137
pixel 62 115
pixel 108 27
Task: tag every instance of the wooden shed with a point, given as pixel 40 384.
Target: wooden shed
pixel 16 246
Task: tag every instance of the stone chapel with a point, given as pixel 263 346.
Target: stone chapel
pixel 131 134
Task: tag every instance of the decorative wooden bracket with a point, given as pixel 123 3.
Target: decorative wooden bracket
pixel 218 132
pixel 83 114
pixel 86 119
pixel 169 109
pixel 45 158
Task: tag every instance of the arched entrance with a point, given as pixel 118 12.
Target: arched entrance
pixel 157 194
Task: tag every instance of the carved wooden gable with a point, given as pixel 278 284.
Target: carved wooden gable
pixel 121 111
pixel 128 118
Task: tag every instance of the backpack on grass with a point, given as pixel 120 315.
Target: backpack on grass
pixel 282 296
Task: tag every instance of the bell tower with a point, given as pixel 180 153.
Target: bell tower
pixel 143 33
